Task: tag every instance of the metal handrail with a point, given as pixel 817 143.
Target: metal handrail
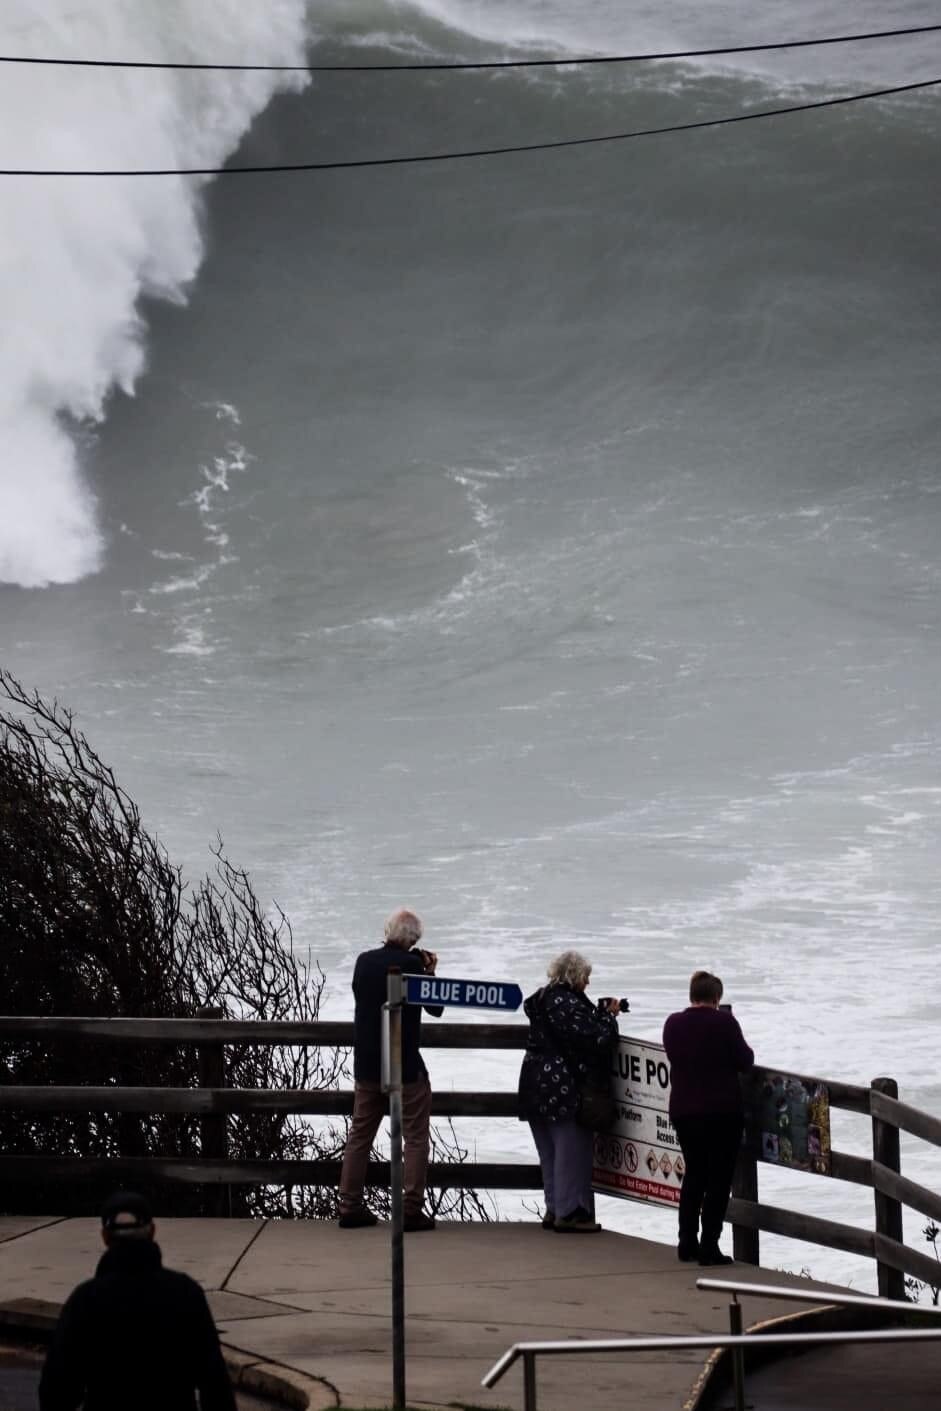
pixel 799 1295
pixel 529 1351
pixel 735 1287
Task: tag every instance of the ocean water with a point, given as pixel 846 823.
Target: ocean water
pixel 547 542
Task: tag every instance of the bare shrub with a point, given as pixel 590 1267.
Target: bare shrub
pixel 95 921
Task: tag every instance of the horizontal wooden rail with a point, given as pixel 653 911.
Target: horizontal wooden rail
pixel 844 1167
pixel 833 1235
pixel 798 1226
pixel 907 1260
pixel 322 1034
pixel 325 1034
pixel 907 1119
pixel 910 1193
pixel 324 1102
pixel 851 1097
pixel 497 1175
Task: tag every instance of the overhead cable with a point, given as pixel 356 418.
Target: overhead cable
pixel 475 152
pixel 470 65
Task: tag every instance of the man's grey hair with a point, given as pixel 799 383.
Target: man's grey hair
pixel 569 968
pixel 403 928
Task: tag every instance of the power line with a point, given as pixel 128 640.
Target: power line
pixel 483 64
pixel 479 151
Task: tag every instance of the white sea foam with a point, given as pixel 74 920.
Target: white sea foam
pixel 189 582
pixel 192 641
pixel 188 616
pixel 610 26
pixel 78 253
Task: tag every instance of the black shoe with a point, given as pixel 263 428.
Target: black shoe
pixel 712 1254
pixel 414 1224
pixel 548 1220
pixel 687 1253
pixel 580 1222
pixel 358 1219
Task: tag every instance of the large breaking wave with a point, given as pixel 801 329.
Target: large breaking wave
pixel 77 254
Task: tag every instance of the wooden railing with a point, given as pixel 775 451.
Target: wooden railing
pixel 881 1173
pixel 213 1100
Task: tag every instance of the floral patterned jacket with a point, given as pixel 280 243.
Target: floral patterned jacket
pixel 570 1044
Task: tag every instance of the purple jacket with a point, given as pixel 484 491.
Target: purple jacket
pixel 707 1051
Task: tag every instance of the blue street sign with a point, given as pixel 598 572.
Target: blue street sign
pixel 466 994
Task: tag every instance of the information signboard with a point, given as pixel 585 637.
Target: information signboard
pixel 640 1157
pixel 787 1122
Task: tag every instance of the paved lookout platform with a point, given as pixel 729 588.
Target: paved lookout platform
pixel 314 1300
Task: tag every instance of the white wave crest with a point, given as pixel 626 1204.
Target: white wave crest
pixel 77 253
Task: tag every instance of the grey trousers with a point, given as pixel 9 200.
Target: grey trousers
pixel 566 1156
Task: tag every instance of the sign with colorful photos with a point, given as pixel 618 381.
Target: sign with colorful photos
pixel 788 1120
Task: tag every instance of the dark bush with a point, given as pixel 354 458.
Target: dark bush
pixel 95 920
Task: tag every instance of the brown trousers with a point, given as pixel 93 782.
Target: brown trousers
pixel 370 1105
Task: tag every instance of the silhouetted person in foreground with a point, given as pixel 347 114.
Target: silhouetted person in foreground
pixel 707 1052
pixel 136 1336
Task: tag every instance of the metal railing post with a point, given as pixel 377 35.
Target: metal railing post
pixel 394 1075
pixel 679 1342
pixel 886 1148
pixel 529 1381
pixel 738 1354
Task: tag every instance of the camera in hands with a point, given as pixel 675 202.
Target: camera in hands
pixel 624 1006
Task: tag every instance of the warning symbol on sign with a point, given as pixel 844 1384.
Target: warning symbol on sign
pixel 679 1168
pixel 666 1165
pixel 630 1157
pixel 651 1163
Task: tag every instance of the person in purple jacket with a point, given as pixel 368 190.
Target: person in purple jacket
pixel 707 1052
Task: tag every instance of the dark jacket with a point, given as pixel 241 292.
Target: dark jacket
pixel 135 1336
pixel 369 991
pixel 707 1052
pixel 570 1044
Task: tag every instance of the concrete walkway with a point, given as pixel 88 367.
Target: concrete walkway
pixel 849 1379
pixel 19 1385
pixel 309 1299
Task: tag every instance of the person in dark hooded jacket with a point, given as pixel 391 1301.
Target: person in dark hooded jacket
pixel 569 1046
pixel 136 1337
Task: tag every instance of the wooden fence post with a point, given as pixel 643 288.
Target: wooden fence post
pixel 213 1134
pixel 130 1125
pixel 886 1148
pixel 745 1240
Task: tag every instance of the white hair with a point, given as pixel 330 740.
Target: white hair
pixel 403 928
pixel 569 968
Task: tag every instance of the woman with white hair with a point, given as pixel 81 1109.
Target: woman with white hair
pixel 568 1051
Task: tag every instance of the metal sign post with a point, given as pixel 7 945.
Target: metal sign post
pixel 392 1083
pixel 417 989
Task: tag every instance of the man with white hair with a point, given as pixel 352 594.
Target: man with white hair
pixel 403 931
